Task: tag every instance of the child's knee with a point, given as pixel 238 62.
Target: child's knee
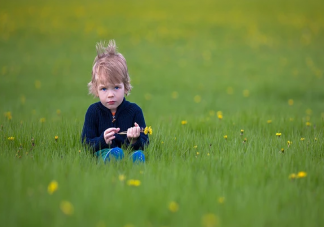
pixel 138 156
pixel 116 153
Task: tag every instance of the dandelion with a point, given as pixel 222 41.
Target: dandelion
pixel 197 99
pixel 58 111
pixel 197 153
pixel 209 220
pixel 246 93
pixel 221 200
pixel 121 177
pixel 220 117
pixel 148 130
pixel 245 140
pixel 174 95
pixel 315 139
pixel 301 174
pixel 184 122
pixel 292 176
pixel 56 138
pixel 207 154
pixel 242 131
pixel 8 115
pixel 42 120
pixel 289 143
pixel 282 150
pixel 38 84
pixel 11 138
pixel 195 146
pixel 230 90
pixel 269 121
pixel 278 134
pixel 173 207
pixel 52 187
pixel 308 123
pixel 290 102
pixel 225 137
pixel 133 182
pixel 67 207
pixel 309 112
pixel 302 139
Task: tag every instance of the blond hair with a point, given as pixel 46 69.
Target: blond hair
pixel 109 66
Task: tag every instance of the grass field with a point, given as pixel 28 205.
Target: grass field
pixel 202 71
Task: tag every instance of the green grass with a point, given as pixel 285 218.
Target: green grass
pixel 246 59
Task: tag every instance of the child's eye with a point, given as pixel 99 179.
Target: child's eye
pixel 116 87
pixel 104 89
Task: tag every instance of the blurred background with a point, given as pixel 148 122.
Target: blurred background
pixel 184 57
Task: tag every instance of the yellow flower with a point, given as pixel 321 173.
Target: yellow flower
pixel 173 207
pixel 174 95
pixel 197 153
pixel 242 131
pixel 209 220
pixel 184 122
pixel 225 137
pixel 292 176
pixel 148 130
pixel 42 120
pixel 52 187
pixel 135 183
pixel 246 93
pixel 56 138
pixel 67 207
pixel 229 90
pixel 11 138
pixel 8 115
pixel 290 102
pixel 301 174
pixel 315 139
pixel 195 146
pixel 221 199
pixel 289 143
pixel 245 140
pixel 58 111
pixel 220 117
pixel 269 121
pixel 38 84
pixel 278 134
pixel 197 99
pixel 207 154
pixel 308 123
pixel 121 177
pixel 302 139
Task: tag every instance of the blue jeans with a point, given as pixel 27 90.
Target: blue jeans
pixel 118 154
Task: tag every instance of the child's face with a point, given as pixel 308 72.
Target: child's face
pixel 111 95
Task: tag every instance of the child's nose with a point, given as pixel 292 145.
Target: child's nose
pixel 110 94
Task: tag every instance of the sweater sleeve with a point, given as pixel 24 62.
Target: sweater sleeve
pixel 90 134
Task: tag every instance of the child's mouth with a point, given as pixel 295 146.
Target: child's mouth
pixel 111 102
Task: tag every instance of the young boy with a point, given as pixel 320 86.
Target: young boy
pixel 113 121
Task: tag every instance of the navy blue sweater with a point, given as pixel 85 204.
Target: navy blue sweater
pixel 99 118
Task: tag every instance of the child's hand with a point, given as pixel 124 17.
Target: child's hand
pixel 133 133
pixel 109 134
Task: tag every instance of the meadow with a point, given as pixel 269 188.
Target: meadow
pixel 232 89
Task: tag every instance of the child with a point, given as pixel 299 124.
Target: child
pixel 105 120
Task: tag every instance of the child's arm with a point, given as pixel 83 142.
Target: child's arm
pixel 90 134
